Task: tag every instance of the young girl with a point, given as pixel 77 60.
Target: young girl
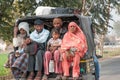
pixel 53 53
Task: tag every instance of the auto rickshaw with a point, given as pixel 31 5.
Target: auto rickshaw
pixel 87 66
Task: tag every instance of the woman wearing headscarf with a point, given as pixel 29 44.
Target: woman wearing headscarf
pixel 19 65
pixel 19 33
pixel 73 47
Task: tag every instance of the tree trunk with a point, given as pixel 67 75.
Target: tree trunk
pixel 102 44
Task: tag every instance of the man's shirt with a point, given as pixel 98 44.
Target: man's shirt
pixel 40 37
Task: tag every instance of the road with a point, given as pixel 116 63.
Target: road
pixel 110 69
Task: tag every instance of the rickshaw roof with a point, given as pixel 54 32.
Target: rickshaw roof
pixel 49 18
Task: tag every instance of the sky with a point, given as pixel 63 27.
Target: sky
pixel 115 17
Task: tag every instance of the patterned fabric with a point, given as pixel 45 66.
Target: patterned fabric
pixel 76 39
pixel 53 42
pixel 11 59
pixel 20 65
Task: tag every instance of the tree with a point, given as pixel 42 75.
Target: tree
pixel 99 10
pixel 5 19
pixel 8 15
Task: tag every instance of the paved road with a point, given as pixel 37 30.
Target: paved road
pixel 110 69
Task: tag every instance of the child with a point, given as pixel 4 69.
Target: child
pixel 31 46
pixel 52 53
pixel 55 42
pixel 30 49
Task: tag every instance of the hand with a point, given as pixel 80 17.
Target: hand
pixel 73 49
pixel 15 31
pixel 67 55
pixel 17 54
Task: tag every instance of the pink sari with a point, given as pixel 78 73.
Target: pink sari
pixel 76 40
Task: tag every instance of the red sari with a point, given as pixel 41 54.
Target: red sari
pixel 78 41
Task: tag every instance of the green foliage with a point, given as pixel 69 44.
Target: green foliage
pixel 7 33
pixel 3 70
pixel 10 11
pixel 62 3
pixel 6 19
pixel 99 10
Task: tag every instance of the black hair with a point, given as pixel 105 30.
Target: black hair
pixel 26 37
pixel 58 18
pixel 55 30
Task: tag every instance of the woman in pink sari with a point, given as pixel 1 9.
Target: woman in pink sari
pixel 73 47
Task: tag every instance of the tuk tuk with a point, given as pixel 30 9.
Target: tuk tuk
pixel 87 66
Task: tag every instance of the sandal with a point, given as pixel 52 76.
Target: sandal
pixel 31 76
pixel 23 76
pixel 75 78
pixel 38 76
pixel 64 78
pixel 45 77
pixel 59 77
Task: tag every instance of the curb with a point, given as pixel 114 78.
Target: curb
pixel 101 59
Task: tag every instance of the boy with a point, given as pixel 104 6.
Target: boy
pixel 30 49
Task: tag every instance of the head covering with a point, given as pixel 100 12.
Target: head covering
pixel 25 26
pixel 38 22
pixel 76 39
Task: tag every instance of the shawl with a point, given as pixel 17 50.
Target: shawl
pixel 76 40
pixel 25 26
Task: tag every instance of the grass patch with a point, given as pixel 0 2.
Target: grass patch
pixel 110 52
pixel 3 59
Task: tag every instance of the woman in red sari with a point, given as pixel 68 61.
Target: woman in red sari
pixel 73 47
